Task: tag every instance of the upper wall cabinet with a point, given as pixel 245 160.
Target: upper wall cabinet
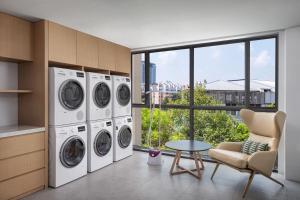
pixel 107 55
pixel 68 46
pixel 62 44
pixel 87 50
pixel 16 38
pixel 123 59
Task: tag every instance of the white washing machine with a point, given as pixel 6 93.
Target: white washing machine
pixel 98 91
pixel 123 137
pixel 100 144
pixel 121 96
pixel 67 153
pixel 67 104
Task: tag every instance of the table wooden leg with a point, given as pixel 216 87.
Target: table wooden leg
pixel 174 162
pixel 178 157
pixel 201 161
pixel 195 154
pixel 195 172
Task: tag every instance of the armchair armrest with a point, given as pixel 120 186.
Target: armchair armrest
pixel 262 161
pixel 230 146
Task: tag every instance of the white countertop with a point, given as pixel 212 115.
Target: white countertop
pixel 8 131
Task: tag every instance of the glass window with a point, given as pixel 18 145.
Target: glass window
pixel 169 77
pixel 219 75
pixel 262 73
pixel 219 126
pixel 219 80
pixel 174 125
pixel 138 78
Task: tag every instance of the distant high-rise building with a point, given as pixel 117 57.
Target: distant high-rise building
pixel 152 71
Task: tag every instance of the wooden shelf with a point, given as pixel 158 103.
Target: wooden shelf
pixel 97 70
pixel 119 73
pixel 14 91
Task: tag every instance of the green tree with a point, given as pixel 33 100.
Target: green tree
pixel 211 126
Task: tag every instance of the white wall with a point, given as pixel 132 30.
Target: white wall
pixel 281 99
pixel 292 104
pixel 8 102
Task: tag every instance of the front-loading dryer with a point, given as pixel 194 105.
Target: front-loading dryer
pixel 121 96
pixel 122 137
pixel 99 94
pixel 67 104
pixel 67 153
pixel 100 144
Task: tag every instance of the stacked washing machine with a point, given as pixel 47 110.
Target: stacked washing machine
pixel 67 127
pixel 89 122
pixel 122 120
pixel 99 114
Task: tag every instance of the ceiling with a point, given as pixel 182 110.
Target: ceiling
pixel 147 23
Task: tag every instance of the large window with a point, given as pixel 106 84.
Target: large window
pixel 202 88
pixel 220 73
pixel 262 73
pixel 169 77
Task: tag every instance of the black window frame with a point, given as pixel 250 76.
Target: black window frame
pixel 191 105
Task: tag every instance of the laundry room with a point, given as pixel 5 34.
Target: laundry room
pixel 146 100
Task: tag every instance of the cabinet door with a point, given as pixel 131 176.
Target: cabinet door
pixel 123 63
pixel 87 50
pixel 62 44
pixel 107 55
pixel 16 39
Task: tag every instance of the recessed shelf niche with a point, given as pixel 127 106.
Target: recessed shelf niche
pixel 9 93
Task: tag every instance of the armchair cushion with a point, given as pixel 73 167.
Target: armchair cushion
pixel 230 146
pixel 233 158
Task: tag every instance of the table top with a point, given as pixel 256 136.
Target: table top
pixel 188 145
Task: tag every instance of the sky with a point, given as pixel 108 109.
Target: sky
pixel 223 62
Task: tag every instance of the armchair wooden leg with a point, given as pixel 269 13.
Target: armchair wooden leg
pixel 276 181
pixel 249 183
pixel 213 174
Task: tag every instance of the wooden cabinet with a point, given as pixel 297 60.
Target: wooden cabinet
pixel 16 38
pixel 62 44
pixel 68 46
pixel 107 55
pixel 22 165
pixel 87 50
pixel 123 59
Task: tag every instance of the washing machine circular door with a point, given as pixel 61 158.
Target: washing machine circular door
pixel 72 151
pixel 71 94
pixel 102 143
pixel 101 95
pixel 124 137
pixel 123 94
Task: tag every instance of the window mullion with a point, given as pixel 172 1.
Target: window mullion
pixel 147 79
pixel 191 133
pixel 247 74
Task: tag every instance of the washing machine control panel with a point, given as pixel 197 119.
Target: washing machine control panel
pixel 108 123
pixel 81 128
pixel 80 74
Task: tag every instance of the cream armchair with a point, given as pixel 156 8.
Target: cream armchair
pixel 263 128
